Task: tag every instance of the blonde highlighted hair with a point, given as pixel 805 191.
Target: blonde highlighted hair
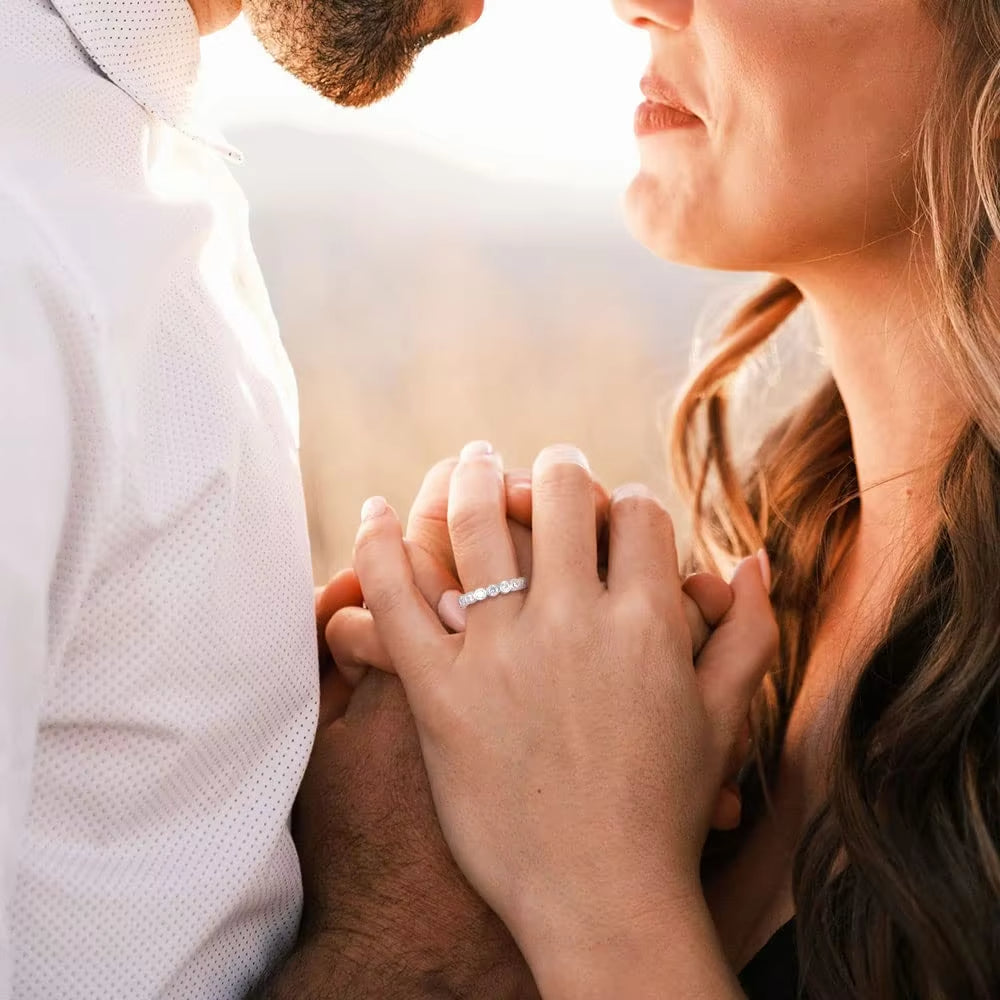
pixel 897 881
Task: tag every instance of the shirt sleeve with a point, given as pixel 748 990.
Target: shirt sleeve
pixel 37 306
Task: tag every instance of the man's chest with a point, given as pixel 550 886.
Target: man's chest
pixel 183 678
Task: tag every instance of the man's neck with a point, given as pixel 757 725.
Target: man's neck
pixel 214 15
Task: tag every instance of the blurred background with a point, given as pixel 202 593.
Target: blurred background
pixel 452 264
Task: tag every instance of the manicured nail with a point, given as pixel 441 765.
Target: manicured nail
pixel 564 454
pixel 373 507
pixel 633 491
pixel 476 449
pixel 765 568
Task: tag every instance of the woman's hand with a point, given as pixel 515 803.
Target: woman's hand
pixel 353 642
pixel 573 751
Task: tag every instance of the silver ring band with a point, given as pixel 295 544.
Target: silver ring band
pixel 493 590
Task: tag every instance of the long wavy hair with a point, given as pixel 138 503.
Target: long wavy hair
pixel 897 879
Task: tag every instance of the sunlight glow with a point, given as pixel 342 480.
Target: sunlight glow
pixel 539 89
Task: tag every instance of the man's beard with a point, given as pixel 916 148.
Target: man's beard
pixel 354 52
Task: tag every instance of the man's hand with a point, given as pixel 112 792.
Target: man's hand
pixel 387 913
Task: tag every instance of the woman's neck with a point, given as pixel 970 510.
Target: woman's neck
pixel 877 323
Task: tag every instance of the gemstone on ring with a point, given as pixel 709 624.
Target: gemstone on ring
pixel 493 590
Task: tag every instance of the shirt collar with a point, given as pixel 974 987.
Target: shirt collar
pixel 150 49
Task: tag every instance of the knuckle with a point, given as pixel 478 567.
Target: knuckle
pixel 370 539
pixel 562 613
pixel 468 521
pixel 639 616
pixel 644 506
pixel 564 479
pixel 563 468
pixel 383 597
pixel 441 718
pixel 638 606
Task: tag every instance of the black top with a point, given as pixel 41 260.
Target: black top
pixel 773 973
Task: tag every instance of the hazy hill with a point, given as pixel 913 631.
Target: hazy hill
pixel 354 229
pixel 424 305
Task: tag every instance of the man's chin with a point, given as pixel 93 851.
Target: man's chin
pixel 366 91
pixel 354 52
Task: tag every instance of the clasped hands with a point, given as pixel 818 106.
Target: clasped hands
pixel 580 739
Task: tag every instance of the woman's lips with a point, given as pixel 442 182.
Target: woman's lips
pixel 663 109
pixel 652 117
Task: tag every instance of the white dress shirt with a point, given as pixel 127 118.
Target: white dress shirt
pixel 158 688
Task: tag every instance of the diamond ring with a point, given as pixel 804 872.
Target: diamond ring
pixel 493 590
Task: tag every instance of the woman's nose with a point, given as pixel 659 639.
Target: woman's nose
pixel 672 14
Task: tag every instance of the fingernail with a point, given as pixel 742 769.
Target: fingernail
pixel 564 454
pixel 740 566
pixel 765 568
pixel 520 479
pixel 476 449
pixel 451 613
pixel 632 490
pixel 373 507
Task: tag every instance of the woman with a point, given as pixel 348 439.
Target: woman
pixel 852 150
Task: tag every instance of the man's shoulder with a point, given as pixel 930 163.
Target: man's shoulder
pixel 79 149
pixel 57 106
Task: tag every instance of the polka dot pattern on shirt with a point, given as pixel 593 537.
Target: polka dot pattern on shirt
pixel 179 692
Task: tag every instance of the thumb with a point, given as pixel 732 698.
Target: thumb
pixel 739 652
pixel 343 591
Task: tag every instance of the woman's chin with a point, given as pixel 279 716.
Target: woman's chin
pixel 659 223
pixel 674 229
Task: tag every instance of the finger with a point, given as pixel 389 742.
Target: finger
pixel 564 520
pixel 706 599
pixel 451 612
pixel 697 626
pixel 521 538
pixel 343 591
pixel 432 578
pixel 518 485
pixel 740 752
pixel 712 595
pixel 334 697
pixel 427 525
pixel 642 554
pixel 477 517
pixel 408 627
pixel 355 644
pixel 739 653
pixel 728 808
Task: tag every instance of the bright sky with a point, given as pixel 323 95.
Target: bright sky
pixel 538 89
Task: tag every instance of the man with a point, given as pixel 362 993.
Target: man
pixel 158 657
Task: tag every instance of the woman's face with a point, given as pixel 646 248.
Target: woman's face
pixel 802 147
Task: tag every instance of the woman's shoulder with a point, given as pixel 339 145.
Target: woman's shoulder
pixel 773 973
